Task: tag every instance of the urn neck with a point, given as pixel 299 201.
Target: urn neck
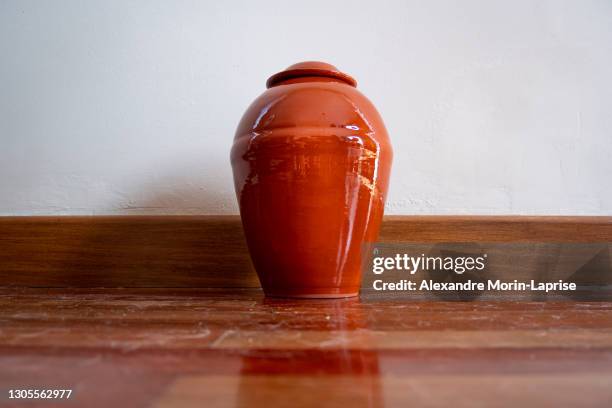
pixel 310 71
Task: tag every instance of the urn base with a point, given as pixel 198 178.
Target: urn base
pixel 335 293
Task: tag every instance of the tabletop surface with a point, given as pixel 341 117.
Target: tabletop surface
pixel 232 348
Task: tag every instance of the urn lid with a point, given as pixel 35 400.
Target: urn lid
pixel 310 69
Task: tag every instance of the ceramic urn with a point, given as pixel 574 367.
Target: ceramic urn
pixel 311 161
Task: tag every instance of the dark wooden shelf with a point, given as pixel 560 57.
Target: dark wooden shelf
pixel 166 312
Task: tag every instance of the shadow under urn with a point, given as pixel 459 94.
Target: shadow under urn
pixel 311 160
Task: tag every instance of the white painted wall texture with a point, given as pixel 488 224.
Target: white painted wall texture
pixel 129 107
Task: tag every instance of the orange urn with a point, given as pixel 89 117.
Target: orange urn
pixel 311 161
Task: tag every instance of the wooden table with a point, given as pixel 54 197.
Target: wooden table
pixel 228 348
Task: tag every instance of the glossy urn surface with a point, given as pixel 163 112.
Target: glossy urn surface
pixel 311 161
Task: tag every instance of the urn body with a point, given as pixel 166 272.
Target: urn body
pixel 311 160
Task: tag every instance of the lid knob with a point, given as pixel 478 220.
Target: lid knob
pixel 310 68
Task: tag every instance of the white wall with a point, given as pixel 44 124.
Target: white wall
pixel 129 107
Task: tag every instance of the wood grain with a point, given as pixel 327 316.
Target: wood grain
pixel 390 391
pixel 210 251
pixel 430 229
pixel 142 347
pixel 124 251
